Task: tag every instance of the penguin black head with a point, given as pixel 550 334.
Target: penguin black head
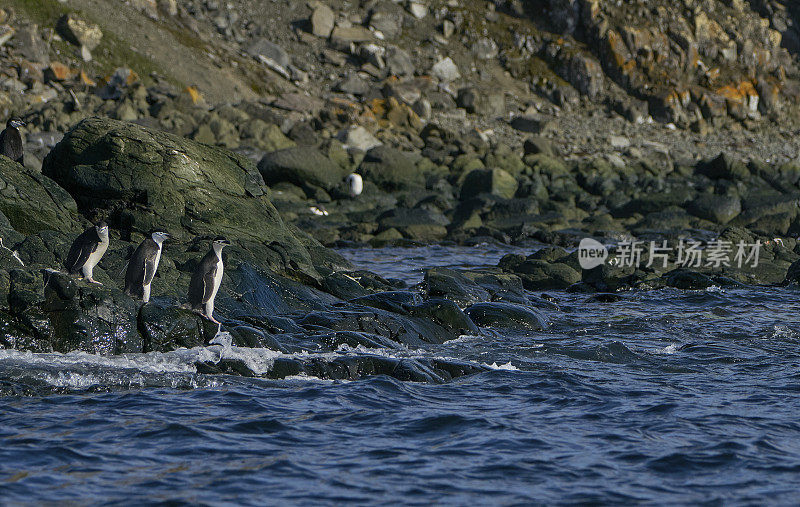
pixel 15 123
pixel 160 236
pixel 221 241
pixel 101 228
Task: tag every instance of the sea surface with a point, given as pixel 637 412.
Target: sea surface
pixel 662 397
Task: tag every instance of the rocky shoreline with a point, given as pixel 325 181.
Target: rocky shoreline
pixel 285 291
pixel 539 136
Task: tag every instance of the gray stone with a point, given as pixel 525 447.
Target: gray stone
pixel 399 62
pixel 387 18
pixel 445 70
pixel 359 138
pixel 79 32
pixel 485 49
pixel 264 48
pixel 322 21
pixel 353 84
pixel 352 34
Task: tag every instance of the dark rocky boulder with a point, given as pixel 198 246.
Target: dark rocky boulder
pixel 143 179
pixel 719 209
pixel 31 202
pixel 168 328
pixel 302 166
pixel 91 318
pixel 453 285
pixel 390 169
pixel 507 316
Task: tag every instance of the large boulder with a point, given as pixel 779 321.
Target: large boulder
pixel 301 165
pixel 33 202
pixel 142 179
pixel 390 169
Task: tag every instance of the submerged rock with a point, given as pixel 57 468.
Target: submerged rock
pixel 506 315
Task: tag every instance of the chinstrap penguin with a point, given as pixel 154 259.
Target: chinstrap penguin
pixel 206 279
pixel 143 265
pixel 355 184
pixel 11 140
pixel 87 250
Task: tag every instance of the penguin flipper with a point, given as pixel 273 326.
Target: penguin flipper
pixel 208 283
pixel 196 289
pixel 149 271
pixel 79 254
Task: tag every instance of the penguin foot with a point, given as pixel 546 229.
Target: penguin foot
pixel 92 280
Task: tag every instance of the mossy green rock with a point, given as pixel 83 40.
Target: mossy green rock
pixel 33 202
pixel 489 181
pixel 143 179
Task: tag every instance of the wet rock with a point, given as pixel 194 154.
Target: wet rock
pixel 399 302
pixel 453 285
pixel 490 181
pixel 79 32
pixel 542 275
pixel 90 318
pixel 506 316
pixel 169 328
pixel 720 209
pixel 687 280
pixel 446 314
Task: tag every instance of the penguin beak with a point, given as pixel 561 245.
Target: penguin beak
pixel 18 123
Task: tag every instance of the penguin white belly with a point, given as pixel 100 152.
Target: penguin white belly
pixel 94 258
pixel 146 286
pixel 217 283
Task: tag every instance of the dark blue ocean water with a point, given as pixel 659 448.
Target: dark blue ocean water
pixel 663 397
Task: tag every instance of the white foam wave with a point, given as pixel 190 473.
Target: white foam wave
pixel 669 349
pixel 507 366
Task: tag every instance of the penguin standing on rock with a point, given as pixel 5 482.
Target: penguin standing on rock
pixel 11 140
pixel 206 280
pixel 87 250
pixel 143 265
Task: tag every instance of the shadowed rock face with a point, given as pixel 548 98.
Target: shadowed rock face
pixel 144 179
pixel 32 202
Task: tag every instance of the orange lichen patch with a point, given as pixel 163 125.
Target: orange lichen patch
pixel 739 92
pixel 619 52
pixel 58 71
pixel 378 107
pixel 85 79
pixel 194 94
pixel 133 77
